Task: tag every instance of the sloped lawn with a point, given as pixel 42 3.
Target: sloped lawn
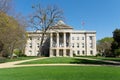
pixel 66 60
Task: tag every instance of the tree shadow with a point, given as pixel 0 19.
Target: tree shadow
pixel 95 62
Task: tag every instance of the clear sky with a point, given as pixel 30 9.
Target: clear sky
pixel 103 16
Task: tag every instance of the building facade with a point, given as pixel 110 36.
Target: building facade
pixel 62 40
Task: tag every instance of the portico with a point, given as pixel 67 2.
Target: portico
pixel 60 44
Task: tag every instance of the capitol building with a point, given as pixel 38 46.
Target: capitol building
pixel 62 40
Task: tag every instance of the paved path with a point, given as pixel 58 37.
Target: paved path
pixel 13 64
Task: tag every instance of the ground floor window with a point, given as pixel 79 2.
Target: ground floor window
pixel 78 52
pixel 61 53
pixel 83 52
pixel 54 52
pixel 91 52
pixel 68 52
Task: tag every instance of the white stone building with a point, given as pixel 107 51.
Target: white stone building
pixel 62 40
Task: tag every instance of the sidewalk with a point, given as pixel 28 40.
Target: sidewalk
pixel 13 64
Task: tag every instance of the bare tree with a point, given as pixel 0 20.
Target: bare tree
pixel 5 5
pixel 43 18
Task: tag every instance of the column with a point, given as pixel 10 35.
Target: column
pixel 64 40
pixel 94 45
pixel 86 45
pixel 71 54
pixel 57 52
pixel 70 43
pixel 64 52
pixel 51 40
pixel 51 53
pixel 57 39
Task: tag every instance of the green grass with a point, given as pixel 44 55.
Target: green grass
pixel 67 60
pixel 3 60
pixel 103 58
pixel 61 73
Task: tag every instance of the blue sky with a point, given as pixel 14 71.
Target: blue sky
pixel 103 16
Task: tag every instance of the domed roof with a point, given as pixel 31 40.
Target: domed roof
pixel 61 25
pixel 60 22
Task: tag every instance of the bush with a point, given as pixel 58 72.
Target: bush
pixel 99 54
pixel 117 52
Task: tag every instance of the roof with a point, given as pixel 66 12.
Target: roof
pixel 61 25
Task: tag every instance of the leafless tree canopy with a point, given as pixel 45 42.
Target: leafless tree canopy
pixel 45 17
pixel 5 5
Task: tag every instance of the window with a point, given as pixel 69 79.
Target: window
pixel 30 38
pixel 78 45
pixel 91 46
pixel 30 45
pixel 83 52
pixel 77 38
pixel 82 38
pixel 91 52
pixel 83 45
pixel 73 45
pixel 90 37
pixel 38 45
pixel 30 51
pixel 72 38
pixel 78 52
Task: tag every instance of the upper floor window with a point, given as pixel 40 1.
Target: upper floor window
pixel 83 45
pixel 38 45
pixel 78 45
pixel 82 38
pixel 90 37
pixel 30 38
pixel 77 38
pixel 72 38
pixel 91 45
pixel 73 45
pixel 30 45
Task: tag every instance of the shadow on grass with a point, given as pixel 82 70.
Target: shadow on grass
pixel 85 61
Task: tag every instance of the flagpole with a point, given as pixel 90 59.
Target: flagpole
pixel 82 23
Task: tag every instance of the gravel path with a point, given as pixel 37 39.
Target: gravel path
pixel 13 64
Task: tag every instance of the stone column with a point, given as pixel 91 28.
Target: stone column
pixel 94 45
pixel 64 52
pixel 57 52
pixel 71 54
pixel 64 40
pixel 86 44
pixel 51 53
pixel 51 40
pixel 70 44
pixel 57 39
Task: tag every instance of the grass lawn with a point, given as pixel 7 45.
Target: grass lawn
pixel 68 60
pixel 103 58
pixel 61 73
pixel 3 60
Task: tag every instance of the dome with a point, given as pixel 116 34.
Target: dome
pixel 60 22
